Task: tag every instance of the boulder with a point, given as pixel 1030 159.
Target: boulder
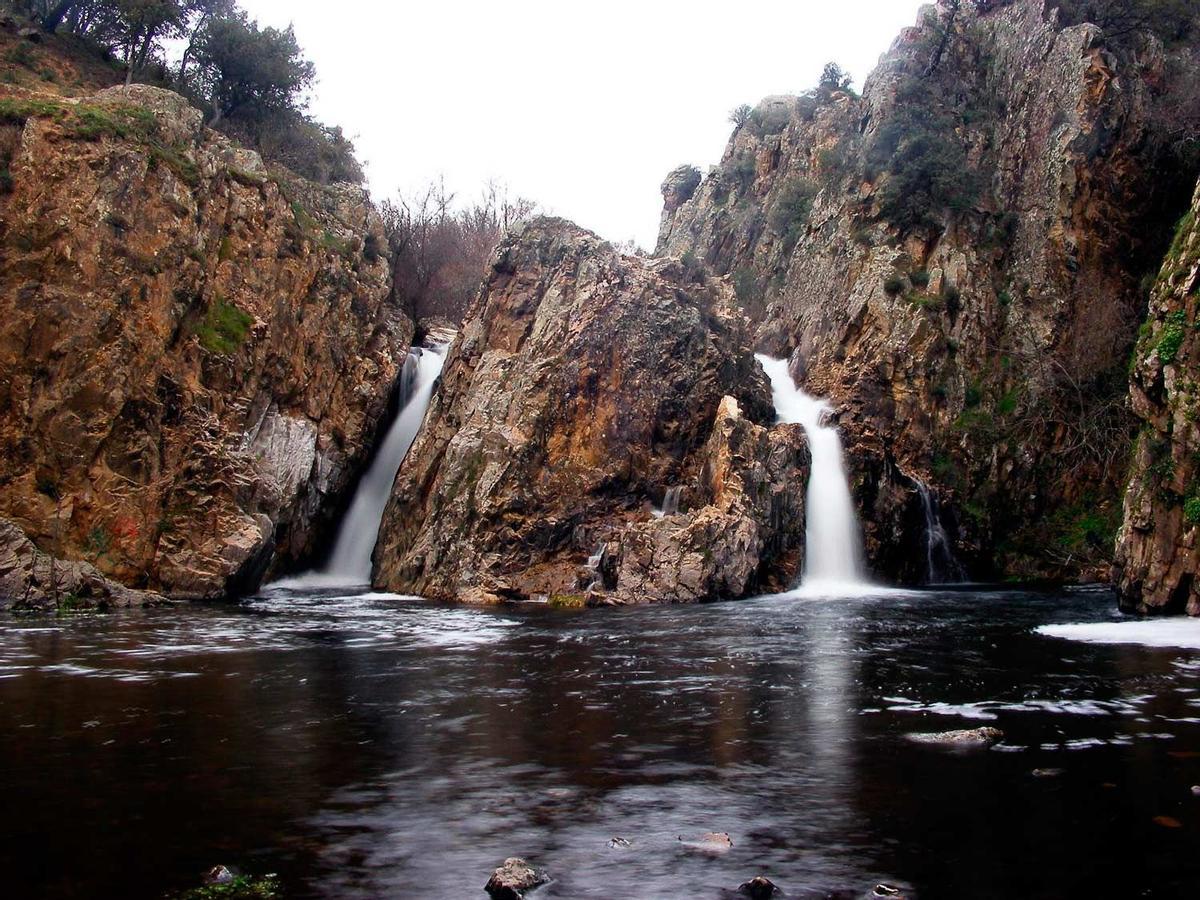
pixel 512 880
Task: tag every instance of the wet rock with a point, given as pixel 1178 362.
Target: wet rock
pixel 969 737
pixel 1157 560
pixel 889 891
pixel 1047 773
pixel 512 880
pixel 585 383
pixel 1196 790
pixel 33 580
pixel 759 888
pixel 619 843
pixel 1167 822
pixel 710 842
pixel 219 875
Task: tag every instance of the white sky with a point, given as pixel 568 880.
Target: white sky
pixel 583 107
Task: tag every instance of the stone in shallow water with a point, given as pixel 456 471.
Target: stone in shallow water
pixel 1196 790
pixel 511 880
pixel 219 875
pixel 759 888
pixel 969 737
pixel 712 842
pixel 619 843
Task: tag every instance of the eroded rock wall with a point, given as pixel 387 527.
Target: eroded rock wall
pixel 973 337
pixel 1157 555
pixel 196 351
pixel 584 385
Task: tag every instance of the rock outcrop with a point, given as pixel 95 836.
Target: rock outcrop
pixel 1157 556
pixel 584 385
pixel 954 259
pixel 197 351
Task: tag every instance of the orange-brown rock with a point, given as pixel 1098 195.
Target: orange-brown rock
pixel 584 385
pixel 976 340
pixel 196 351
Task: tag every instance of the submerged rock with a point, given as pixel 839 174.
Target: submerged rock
pixel 711 842
pixel 759 888
pixel 584 384
pixel 970 737
pixel 512 880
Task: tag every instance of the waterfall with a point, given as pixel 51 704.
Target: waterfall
pixel 350 562
pixel 940 565
pixel 833 543
pixel 351 559
pixel 671 501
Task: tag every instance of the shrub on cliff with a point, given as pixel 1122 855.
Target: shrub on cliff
pixel 1123 20
pixel 789 214
pixel 926 164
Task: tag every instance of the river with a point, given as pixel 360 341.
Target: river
pixel 372 746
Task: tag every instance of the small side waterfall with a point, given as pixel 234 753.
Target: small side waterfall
pixel 351 559
pixel 940 565
pixel 833 542
pixel 671 501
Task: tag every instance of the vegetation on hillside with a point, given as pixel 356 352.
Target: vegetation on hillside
pixel 250 80
pixel 439 251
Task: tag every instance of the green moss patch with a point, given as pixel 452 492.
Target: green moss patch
pixel 224 328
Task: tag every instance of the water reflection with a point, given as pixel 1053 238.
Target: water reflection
pixel 361 745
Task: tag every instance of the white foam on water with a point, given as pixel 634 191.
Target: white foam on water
pixel 1173 633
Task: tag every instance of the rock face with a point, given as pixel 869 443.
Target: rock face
pixel 197 351
pixel 584 385
pixel 1157 553
pixel 954 260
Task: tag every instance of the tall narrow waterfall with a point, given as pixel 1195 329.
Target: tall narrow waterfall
pixel 833 543
pixel 351 559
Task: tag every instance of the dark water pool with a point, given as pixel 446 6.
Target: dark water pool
pixel 368 746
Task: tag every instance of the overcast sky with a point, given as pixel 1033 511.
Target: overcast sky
pixel 583 107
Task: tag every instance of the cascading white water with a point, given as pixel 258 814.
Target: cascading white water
pixel 671 502
pixel 351 558
pixel 940 565
pixel 350 563
pixel 833 543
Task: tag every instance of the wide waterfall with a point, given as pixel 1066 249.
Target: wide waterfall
pixel 833 543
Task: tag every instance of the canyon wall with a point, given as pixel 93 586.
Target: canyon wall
pixel 196 355
pixel 956 259
pixel 584 385
pixel 1156 553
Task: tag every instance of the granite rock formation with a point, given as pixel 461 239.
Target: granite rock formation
pixel 1157 555
pixel 197 350
pixel 955 259
pixel 584 385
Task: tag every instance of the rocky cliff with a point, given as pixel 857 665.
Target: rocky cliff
pixel 196 355
pixel 955 258
pixel 1156 553
pixel 583 388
